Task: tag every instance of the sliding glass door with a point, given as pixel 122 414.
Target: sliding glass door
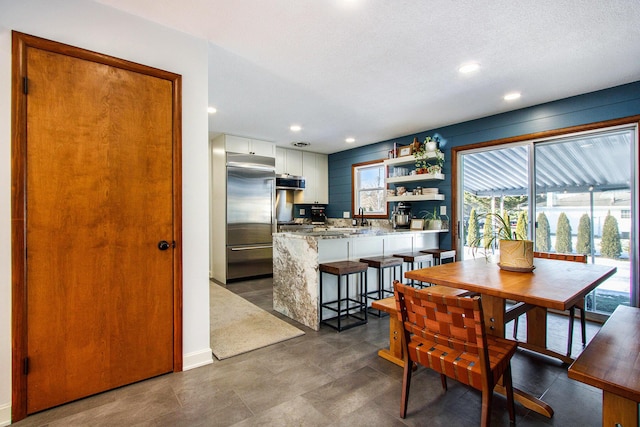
pixel 576 194
pixel 583 205
pixel 494 180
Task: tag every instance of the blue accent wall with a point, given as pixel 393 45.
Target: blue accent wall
pixel 608 104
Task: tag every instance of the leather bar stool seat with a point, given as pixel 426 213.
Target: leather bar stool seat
pixel 441 256
pixel 350 308
pixel 414 258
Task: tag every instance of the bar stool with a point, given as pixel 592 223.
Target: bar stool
pixel 413 258
pixel 440 255
pixel 381 263
pixel 345 306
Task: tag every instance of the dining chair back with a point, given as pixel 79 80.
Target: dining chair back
pixel 447 334
pixel 572 311
pixel 563 257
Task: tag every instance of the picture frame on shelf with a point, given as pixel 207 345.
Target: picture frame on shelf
pixel 417 224
pixel 407 150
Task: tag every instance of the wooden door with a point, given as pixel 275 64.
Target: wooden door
pixel 100 164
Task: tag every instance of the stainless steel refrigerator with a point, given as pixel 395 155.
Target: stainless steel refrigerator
pixel 250 215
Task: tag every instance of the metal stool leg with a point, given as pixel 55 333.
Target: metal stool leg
pixel 363 286
pixel 321 288
pixel 340 302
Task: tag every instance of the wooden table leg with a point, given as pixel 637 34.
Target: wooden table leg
pixel 537 327
pixel 494 310
pixel 617 410
pixel 395 352
pixel 537 335
pixel 494 316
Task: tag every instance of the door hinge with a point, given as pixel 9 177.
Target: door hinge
pixel 25 85
pixel 26 366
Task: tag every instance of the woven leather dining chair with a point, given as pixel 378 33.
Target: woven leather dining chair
pixel 572 310
pixel 447 334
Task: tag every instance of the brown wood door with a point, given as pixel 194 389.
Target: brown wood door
pixel 99 197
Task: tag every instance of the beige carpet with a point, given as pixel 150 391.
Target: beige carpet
pixel 238 326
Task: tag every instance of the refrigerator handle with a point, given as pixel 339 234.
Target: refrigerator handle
pixel 274 222
pixel 250 248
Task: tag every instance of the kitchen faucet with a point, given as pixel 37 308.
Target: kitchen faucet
pixel 363 221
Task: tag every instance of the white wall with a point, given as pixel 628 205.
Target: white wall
pixel 96 27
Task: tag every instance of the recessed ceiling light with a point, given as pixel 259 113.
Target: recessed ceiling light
pixel 295 128
pixel 469 68
pixel 350 140
pixel 211 110
pixel 512 96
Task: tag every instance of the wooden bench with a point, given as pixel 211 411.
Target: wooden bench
pixel 611 362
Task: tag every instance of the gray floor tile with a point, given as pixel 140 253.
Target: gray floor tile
pixel 325 378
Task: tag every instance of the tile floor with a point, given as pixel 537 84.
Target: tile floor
pixel 327 379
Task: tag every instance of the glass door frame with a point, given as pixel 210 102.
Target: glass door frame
pixel 457 199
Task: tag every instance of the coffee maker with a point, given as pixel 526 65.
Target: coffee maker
pixel 401 216
pixel 318 216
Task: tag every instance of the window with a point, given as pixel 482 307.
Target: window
pixel 368 193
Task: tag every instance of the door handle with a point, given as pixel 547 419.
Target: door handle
pixel 163 245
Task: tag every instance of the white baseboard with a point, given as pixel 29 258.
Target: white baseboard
pixel 197 359
pixel 5 414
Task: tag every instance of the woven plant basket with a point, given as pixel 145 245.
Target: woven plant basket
pixel 516 255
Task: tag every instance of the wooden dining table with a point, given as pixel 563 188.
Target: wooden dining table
pixel 553 284
pixel 611 362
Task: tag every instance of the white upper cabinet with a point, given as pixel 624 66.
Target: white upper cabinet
pixel 288 161
pixel 322 174
pixel 315 169
pixel 238 144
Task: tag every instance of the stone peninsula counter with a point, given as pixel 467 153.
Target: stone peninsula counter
pixel 296 256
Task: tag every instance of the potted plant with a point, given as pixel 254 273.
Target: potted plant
pixel 431 144
pixel 433 221
pixel 516 251
pixel 428 160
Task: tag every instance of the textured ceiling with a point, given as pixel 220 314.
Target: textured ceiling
pixel 378 69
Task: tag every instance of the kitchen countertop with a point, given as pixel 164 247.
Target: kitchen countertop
pixel 341 233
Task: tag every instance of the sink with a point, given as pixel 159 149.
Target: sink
pixel 318 233
pixel 364 231
pixel 340 229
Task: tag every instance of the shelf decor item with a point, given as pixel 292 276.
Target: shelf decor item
pixel 516 252
pixel 417 224
pixel 415 146
pixel 407 150
pixel 428 158
pixel 430 144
